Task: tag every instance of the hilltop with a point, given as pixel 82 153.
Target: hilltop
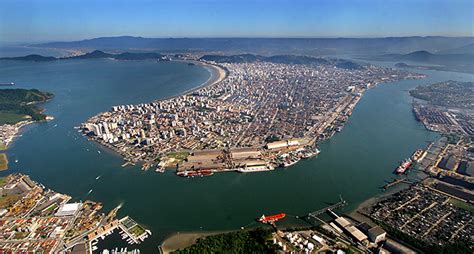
pixel 96 54
pixel 451 62
pixel 19 104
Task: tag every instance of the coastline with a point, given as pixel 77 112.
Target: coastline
pixel 217 74
pixel 183 240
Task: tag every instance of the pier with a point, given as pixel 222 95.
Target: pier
pixel 395 182
pixel 315 214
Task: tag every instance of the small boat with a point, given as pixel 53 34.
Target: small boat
pixel 16 161
pixel 97 178
pixel 98 152
pixel 89 192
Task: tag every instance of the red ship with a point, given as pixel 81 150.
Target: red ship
pixel 404 166
pixel 271 218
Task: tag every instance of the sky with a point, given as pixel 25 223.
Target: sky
pixel 66 20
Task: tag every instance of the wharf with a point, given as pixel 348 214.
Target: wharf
pixel 395 182
pixel 339 204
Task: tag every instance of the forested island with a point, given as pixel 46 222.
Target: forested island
pixel 19 104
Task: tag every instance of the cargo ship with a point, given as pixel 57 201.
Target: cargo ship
pixel 195 173
pixel 255 169
pixel 271 218
pixel 287 162
pixel 418 155
pixel 308 154
pixel 404 166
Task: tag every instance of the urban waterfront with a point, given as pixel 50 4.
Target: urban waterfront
pixel 354 163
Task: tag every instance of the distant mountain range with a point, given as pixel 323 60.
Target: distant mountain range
pixel 462 62
pixel 271 46
pixel 427 57
pixel 97 54
pixel 288 59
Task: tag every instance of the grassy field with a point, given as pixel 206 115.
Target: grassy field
pixel 7 117
pixel 178 156
pixel 137 230
pixel 3 162
pixel 462 205
pixel 3 181
pixel 3 147
pixel 8 200
pixel 51 208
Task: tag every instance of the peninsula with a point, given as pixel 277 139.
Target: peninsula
pixel 17 109
pixel 267 112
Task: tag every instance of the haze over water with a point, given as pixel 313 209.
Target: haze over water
pixel 354 163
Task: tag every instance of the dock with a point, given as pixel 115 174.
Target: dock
pixel 395 182
pixel 337 205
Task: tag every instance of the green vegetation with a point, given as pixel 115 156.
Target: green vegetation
pixel 8 200
pixel 178 156
pixel 7 117
pixel 3 181
pixel 272 138
pixel 137 230
pixel 462 205
pixel 452 138
pixel 254 241
pixel 51 208
pixel 18 104
pixel 3 162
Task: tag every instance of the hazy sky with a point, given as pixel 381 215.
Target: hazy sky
pixel 48 20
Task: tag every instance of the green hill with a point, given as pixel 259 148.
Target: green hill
pixel 19 104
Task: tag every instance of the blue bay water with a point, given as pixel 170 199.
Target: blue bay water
pixel 354 163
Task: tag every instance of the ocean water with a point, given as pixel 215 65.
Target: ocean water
pixel 354 163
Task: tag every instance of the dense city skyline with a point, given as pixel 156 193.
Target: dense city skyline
pixel 34 21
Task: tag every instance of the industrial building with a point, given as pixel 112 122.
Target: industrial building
pixel 68 209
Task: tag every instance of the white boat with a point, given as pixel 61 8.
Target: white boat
pixel 97 178
pixel 255 169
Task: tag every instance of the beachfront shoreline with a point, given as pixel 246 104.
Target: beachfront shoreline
pixel 179 241
pixel 217 74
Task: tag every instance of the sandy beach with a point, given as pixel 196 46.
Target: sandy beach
pixel 183 240
pixel 217 75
